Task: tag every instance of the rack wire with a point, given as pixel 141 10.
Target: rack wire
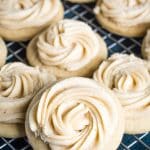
pixel 84 12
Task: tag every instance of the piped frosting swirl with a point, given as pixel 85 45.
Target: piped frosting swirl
pixel 125 12
pixel 18 14
pixel 68 46
pixel 18 84
pixel 76 114
pixel 128 77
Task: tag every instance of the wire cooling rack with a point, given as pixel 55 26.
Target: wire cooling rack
pixel 16 52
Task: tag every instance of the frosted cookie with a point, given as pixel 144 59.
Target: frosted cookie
pixel 146 46
pixel 129 18
pixel 68 48
pixel 18 84
pixel 81 1
pixel 128 77
pixel 75 113
pixel 22 19
pixel 3 52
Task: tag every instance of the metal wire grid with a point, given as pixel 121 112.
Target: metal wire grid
pixel 16 52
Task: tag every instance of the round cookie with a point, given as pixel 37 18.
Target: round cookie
pixel 18 84
pixel 3 52
pixel 21 20
pixel 129 78
pixel 130 19
pixel 146 46
pixel 75 113
pixel 68 48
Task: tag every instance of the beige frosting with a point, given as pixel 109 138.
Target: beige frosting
pixel 128 77
pixel 77 113
pixel 3 52
pixel 18 84
pixel 146 46
pixel 125 12
pixel 69 45
pixel 17 14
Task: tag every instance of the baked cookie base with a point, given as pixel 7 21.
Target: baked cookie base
pixel 27 33
pixel 3 52
pixel 146 55
pixel 81 1
pixel 138 126
pixel 134 31
pixel 12 130
pixel 143 50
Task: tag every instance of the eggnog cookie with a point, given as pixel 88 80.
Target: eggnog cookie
pixel 68 48
pixel 75 113
pixel 128 77
pixel 146 46
pixel 129 18
pixel 18 84
pixel 3 52
pixel 22 19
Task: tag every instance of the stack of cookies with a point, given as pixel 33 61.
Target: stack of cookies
pixel 72 96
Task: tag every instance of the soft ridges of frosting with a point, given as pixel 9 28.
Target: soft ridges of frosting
pixel 19 14
pixel 18 80
pixel 3 52
pixel 69 45
pixel 18 84
pixel 77 113
pixel 128 77
pixel 146 46
pixel 125 12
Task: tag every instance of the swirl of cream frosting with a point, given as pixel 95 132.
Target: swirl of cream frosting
pixel 17 14
pixel 18 84
pixel 126 12
pixel 69 46
pixel 76 113
pixel 128 77
pixel 146 46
